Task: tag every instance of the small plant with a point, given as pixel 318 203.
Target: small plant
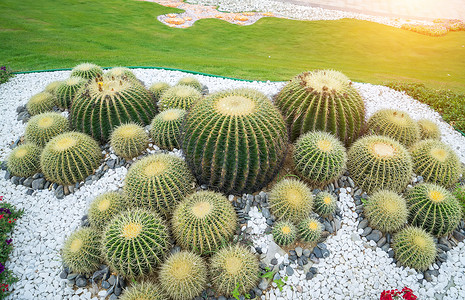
pixel 406 294
pixel 67 89
pixel 40 103
pixel 129 140
pixel 310 230
pixel 143 290
pixel 40 129
pixel 428 130
pixel 158 88
pixel 52 86
pixel 5 74
pixel 237 295
pixel 325 204
pixel 24 160
pixel 166 128
pixel 190 81
pixel 81 251
pixel 386 211
pixel 103 208
pixel 86 71
pixel 414 248
pixel 284 233
pixel 179 96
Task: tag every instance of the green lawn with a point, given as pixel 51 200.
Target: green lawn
pixel 49 34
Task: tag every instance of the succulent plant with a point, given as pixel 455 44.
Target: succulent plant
pixel 135 242
pixel 39 103
pixel 179 96
pixel 414 248
pixel 158 88
pixel 69 158
pixel 240 146
pixel 190 81
pixel 105 104
pixel 41 128
pixel 284 233
pixel 52 86
pixel 86 71
pixel 386 211
pixel 322 100
pixel 129 140
pixel 24 160
pixel 234 267
pixel 436 162
pixel 310 230
pixel 290 199
pixel 428 130
pixel 121 73
pixel 324 204
pixel 81 251
pixel 104 207
pixel 204 222
pixel 434 209
pixel 183 276
pixel 395 124
pixel 66 91
pixel 319 157
pixel 166 128
pixel 379 162
pixel 158 182
pixel 144 290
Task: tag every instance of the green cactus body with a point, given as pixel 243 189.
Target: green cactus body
pixel 284 233
pixel 81 251
pixel 66 91
pixel 322 100
pixel 394 124
pixel 105 104
pixel 158 88
pixel 378 162
pixel 190 81
pixel 183 276
pixel 324 204
pixel 414 248
pixel 235 141
pixel 69 158
pixel 436 162
pixel 86 71
pixel 144 290
pixel 158 182
pixel 434 209
pixel 428 130
pixel 319 157
pixel 179 96
pixel 52 86
pixel 40 103
pixel 40 129
pixel 166 128
pixel 234 267
pixel 121 73
pixel 24 160
pixel 386 211
pixel 135 242
pixel 310 230
pixel 290 199
pixel 103 208
pixel 204 222
pixel 129 140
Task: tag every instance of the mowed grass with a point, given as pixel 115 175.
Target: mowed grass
pixel 49 34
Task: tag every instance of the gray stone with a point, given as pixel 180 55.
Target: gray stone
pixel 442 257
pixel 313 270
pixel 366 231
pixel 385 247
pixel 29 192
pixel 59 193
pixel 266 212
pixel 317 252
pixel 28 182
pixel 112 280
pixel 118 291
pixel 328 226
pixel 38 184
pixel 263 285
pixel 222 298
pixel 381 242
pixel 458 236
pixel 363 224
pixel 105 284
pixel 322 246
pixel 309 275
pixel 443 247
pixel 111 163
pixel 298 251
pixel 375 236
pixel 37 176
pixel 289 271
pixel 325 253
pixel 337 224
pixel 81 282
pixel 72 276
pixel 351 182
pixel 63 274
pixel 276 276
pixel 306 252
pixel 391 253
pixel 7 175
pixel 113 297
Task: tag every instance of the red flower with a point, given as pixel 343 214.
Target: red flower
pixel 1 216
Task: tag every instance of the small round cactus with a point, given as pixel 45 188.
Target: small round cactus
pixel 436 162
pixel 81 251
pixel 179 96
pixel 386 211
pixel 284 233
pixel 378 162
pixel 324 204
pixel 414 248
pixel 121 73
pixel 40 103
pixel 158 88
pixel 204 222
pixel 40 129
pixel 190 81
pixel 144 290
pixel 103 208
pixel 86 71
pixel 434 209
pixel 428 130
pixel 310 230
pixel 234 267
pixel 66 91
pixel 69 158
pixel 290 199
pixel 24 160
pixel 135 242
pixel 183 276
pixel 166 128
pixel 129 140
pixel 52 86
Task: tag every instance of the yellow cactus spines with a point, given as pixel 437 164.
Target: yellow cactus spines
pixel 40 129
pixel 386 211
pixel 166 128
pixel 87 71
pixel 290 199
pixel 52 86
pixel 379 162
pixel 121 73
pixel 183 276
pixel 129 140
pixel 310 230
pixel 284 233
pixel 179 96
pixel 104 207
pixel 324 204
pixel 158 88
pixel 39 103
pixel 428 130
pixel 66 91
pixel 81 251
pixel 24 160
pixel 204 222
pixel 144 290
pixel 190 81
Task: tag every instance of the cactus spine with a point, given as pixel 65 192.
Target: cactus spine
pixel 179 96
pixel 144 290
pixel 40 129
pixel 103 208
pixel 66 91
pixel 386 211
pixel 310 230
pixel 158 88
pixel 284 233
pixel 81 251
pixel 24 160
pixel 52 86
pixel 324 204
pixel 190 81
pixel 414 248
pixel 40 103
pixel 428 130
pixel 129 140
pixel 166 128
pixel 290 199
pixel 86 71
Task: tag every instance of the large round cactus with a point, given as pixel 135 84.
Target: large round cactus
pixel 414 248
pixel 179 96
pixel 204 222
pixel 190 81
pixel 386 211
pixel 284 233
pixel 120 73
pixel 428 130
pixel 144 290
pixel 235 140
pixel 66 91
pixel 325 204
pixel 379 162
pixel 322 100
pixel 40 103
pixel 52 86
pixel 24 160
pixel 310 230
pixel 105 104
pixel 158 88
pixel 69 158
pixel 81 251
pixel 166 128
pixel 42 128
pixel 129 140
pixel 86 71
pixel 104 207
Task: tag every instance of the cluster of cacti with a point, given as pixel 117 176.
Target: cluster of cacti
pixel 428 130
pixel 183 276
pixel 158 88
pixel 117 73
pixel 103 208
pixel 434 209
pixel 322 100
pixel 39 103
pixel 24 160
pixel 129 140
pixel 42 128
pixel 52 86
pixel 179 96
pixel 386 211
pixel 158 182
pixel 86 71
pixel 436 162
pixel 324 204
pixel 414 248
pixel 235 140
pixel 144 290
pixel 135 242
pixel 69 158
pixel 379 162
pixel 395 124
pixel 310 229
pixel 81 251
pixel 190 81
pixel 166 128
pixel 105 104
pixel 290 199
pixel 66 91
pixel 234 267
pixel 204 222
pixel 284 233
